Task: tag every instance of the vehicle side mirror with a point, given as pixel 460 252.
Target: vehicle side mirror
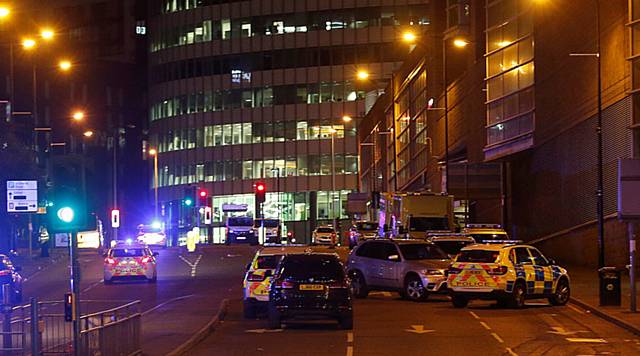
pixel 17 268
pixel 551 261
pixel 394 258
pixel 268 273
pixel 156 254
pixel 248 266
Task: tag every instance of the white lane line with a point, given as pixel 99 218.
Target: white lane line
pixel 350 337
pixel 511 352
pixel 485 325
pixel 349 350
pixel 92 286
pixel 166 302
pixel 578 339
pixel 497 337
pixel 474 315
pixel 576 309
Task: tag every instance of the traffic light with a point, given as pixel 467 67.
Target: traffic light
pixel 261 191
pixel 189 196
pixel 68 212
pixel 115 218
pixel 68 307
pixel 203 196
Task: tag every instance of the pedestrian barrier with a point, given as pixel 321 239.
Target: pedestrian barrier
pixel 114 331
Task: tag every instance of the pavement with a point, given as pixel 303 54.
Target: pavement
pixel 585 293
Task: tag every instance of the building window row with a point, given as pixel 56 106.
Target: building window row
pixel 510 71
pixel 232 170
pixel 248 133
pixel 634 38
pixel 225 29
pixel 169 6
pixel 276 59
pixel 218 100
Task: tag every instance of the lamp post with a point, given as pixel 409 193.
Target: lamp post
pixel 600 183
pixel 153 152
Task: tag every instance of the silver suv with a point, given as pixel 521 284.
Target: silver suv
pixel 414 268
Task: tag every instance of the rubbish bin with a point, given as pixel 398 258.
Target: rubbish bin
pixel 609 286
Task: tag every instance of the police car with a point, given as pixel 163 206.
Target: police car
pixel 508 273
pixel 485 232
pixel 127 260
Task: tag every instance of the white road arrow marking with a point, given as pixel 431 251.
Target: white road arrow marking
pixel 418 329
pixel 559 330
pixel 262 331
pixel 193 265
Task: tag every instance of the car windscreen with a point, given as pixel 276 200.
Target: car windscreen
pixel 490 236
pixel 481 256
pixel 325 230
pixel 268 262
pixel 417 223
pixel 367 226
pixel 243 221
pixel 267 223
pixel 311 268
pixel 452 247
pixel 128 252
pixel 422 252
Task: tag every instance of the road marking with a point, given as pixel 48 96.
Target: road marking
pixel 92 286
pixel 578 339
pixel 349 350
pixel 495 336
pixel 349 337
pixel 418 329
pixel 474 315
pixel 193 265
pixel 485 325
pixel 511 352
pixel 262 331
pixel 166 302
pixel 559 330
pixel 576 309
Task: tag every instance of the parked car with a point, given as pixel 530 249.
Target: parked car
pixel 130 261
pixel 486 232
pixel 414 268
pixel 508 273
pixel 361 231
pixel 310 285
pixel 450 243
pixel 9 275
pixel 324 235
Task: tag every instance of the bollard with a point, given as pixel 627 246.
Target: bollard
pixel 35 330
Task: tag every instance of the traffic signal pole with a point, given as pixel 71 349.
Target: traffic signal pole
pixel 75 290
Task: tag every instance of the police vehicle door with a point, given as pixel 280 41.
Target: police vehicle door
pixel 543 272
pixel 524 268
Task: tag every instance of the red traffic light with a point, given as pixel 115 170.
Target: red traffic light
pixel 260 187
pixel 203 193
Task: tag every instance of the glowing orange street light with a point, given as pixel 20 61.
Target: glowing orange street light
pixel 47 33
pixel 409 37
pixel 64 65
pixel 4 12
pixel 153 152
pixel 78 115
pixel 88 133
pixel 363 75
pixel 28 43
pixel 460 43
pixel 346 118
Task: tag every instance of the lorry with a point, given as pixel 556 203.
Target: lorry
pixel 238 224
pixel 415 215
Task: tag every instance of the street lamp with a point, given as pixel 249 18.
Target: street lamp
pixel 87 133
pixel 4 12
pixel 78 115
pixel 362 74
pixel 28 43
pixel 153 152
pixel 47 33
pixel 460 42
pixel 64 65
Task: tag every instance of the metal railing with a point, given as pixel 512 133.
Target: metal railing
pixel 114 331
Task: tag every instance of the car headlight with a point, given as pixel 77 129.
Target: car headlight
pixel 433 272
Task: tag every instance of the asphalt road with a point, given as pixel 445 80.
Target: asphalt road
pixel 188 292
pixel 190 288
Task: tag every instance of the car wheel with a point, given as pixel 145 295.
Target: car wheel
pixel 346 321
pixel 275 321
pixel 248 311
pixel 359 287
pixel 414 290
pixel 562 293
pixel 518 296
pixel 459 301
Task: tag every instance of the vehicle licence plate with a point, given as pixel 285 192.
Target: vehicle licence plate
pixel 311 287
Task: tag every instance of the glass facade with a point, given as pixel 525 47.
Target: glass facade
pixel 510 71
pixel 634 38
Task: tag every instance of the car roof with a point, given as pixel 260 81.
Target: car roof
pixel 122 244
pixel 492 247
pixel 451 238
pixel 326 254
pixel 404 241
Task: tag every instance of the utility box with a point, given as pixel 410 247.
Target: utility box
pixel 629 189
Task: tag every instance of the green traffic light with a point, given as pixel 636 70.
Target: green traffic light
pixel 188 202
pixel 65 214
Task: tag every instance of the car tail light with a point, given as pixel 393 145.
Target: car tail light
pixel 453 270
pixel 110 261
pixel 498 270
pixel 253 277
pixel 284 284
pixel 338 285
pixel 146 259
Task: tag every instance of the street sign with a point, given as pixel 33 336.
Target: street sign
pixel 22 196
pixel 629 189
